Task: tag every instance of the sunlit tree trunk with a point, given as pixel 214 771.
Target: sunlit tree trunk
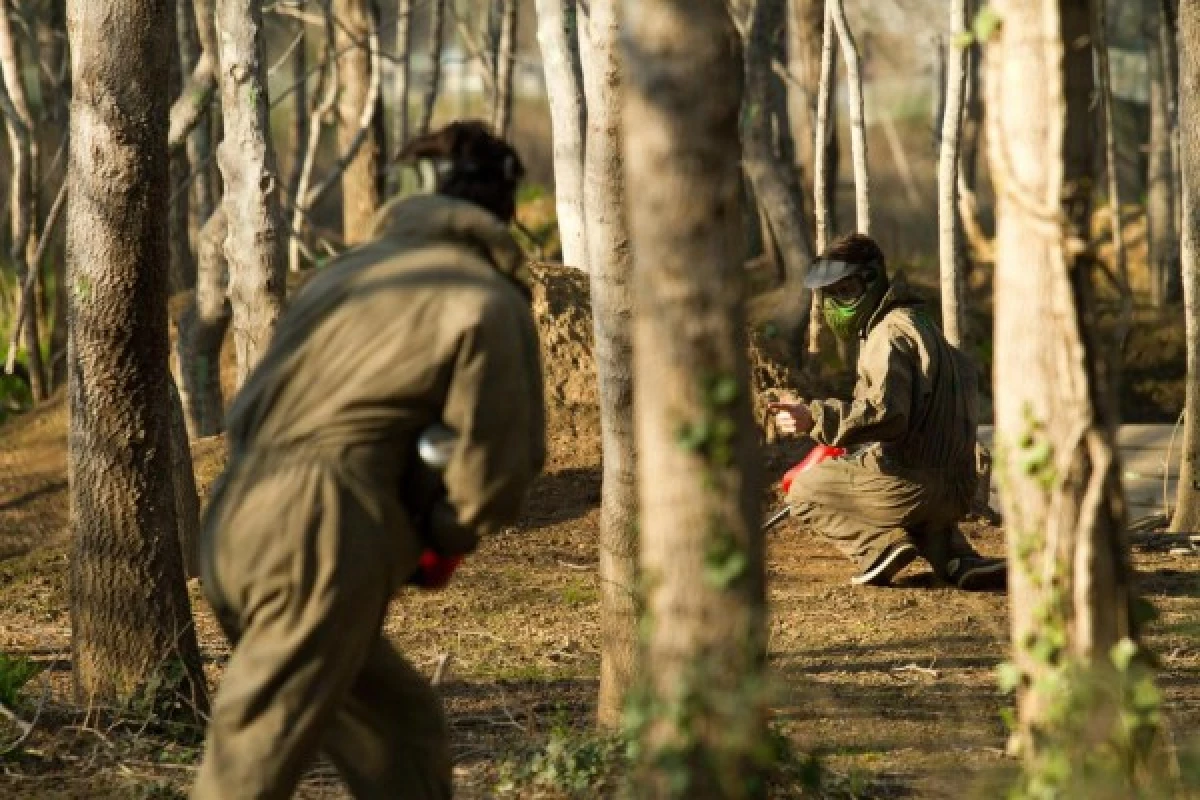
pixel 1187 508
pixel 1057 464
pixel 950 239
pixel 355 21
pixel 558 36
pixel 403 73
pixel 702 552
pixel 506 57
pixel 130 617
pixel 858 122
pixel 254 246
pixel 612 304
pixel 437 20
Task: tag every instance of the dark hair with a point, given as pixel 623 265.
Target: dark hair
pixel 475 165
pixel 854 248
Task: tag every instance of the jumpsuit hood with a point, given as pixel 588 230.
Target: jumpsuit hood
pixel 898 295
pixel 438 218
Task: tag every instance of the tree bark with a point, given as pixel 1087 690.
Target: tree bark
pixel 356 22
pixel 506 57
pixel 702 551
pixel 181 273
pixel 183 477
pixel 950 237
pixel 804 49
pixel 403 73
pixel 981 245
pixel 437 23
pixel 824 192
pixel 131 620
pixel 612 304
pixel 205 188
pixel 1187 500
pixel 558 36
pixel 326 90
pixel 22 137
pixel 858 124
pixel 300 111
pixel 1055 403
pixel 202 329
pixel 1161 201
pixel 58 59
pixel 781 204
pixel 1121 268
pixel 253 247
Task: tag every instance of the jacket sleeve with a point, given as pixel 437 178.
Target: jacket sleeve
pixel 882 397
pixel 495 405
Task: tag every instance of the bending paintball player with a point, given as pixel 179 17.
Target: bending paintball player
pixel 909 475
pixel 326 509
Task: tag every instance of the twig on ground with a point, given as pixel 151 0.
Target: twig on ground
pixel 933 673
pixel 576 567
pixel 441 670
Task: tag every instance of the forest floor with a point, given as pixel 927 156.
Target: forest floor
pixel 893 688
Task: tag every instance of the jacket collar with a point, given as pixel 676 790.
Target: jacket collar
pixel 898 295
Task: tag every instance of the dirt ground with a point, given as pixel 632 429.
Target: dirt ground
pixel 893 688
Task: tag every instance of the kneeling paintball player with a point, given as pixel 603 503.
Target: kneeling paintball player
pixel 326 509
pixel 910 429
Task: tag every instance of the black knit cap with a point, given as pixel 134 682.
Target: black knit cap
pixel 846 256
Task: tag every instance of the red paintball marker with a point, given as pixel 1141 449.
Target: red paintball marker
pixel 818 454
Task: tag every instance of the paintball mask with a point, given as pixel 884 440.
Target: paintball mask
pixel 850 293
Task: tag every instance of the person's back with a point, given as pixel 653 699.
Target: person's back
pixel 325 508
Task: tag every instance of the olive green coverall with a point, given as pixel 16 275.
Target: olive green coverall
pixel 911 430
pixel 322 512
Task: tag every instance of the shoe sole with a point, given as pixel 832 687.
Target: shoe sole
pixel 987 576
pixel 882 573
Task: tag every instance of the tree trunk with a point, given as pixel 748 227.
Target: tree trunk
pixel 558 36
pixel 781 204
pixel 612 303
pixel 181 274
pixel 824 183
pixel 981 245
pixel 1187 502
pixel 253 247
pixel 702 551
pixel 437 22
pixel 1120 267
pixel 183 476
pixel 300 111
pixel 1055 406
pixel 326 90
pixel 805 31
pixel 1161 201
pixel 858 124
pixel 202 329
pixel 58 58
pixel 356 21
pixel 22 137
pixel 402 74
pixel 506 56
pixel 132 630
pixel 950 239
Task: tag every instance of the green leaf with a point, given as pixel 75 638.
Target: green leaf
pixel 986 23
pixel 693 436
pixel 1122 653
pixel 724 391
pixel 1146 696
pixel 964 40
pixel 1008 677
pixel 720 573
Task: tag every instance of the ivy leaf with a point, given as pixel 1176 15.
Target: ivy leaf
pixel 1008 677
pixel 1122 653
pixel 987 21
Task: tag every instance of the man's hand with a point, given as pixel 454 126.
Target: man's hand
pixel 792 419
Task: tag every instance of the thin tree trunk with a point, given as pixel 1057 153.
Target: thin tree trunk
pixel 858 125
pixel 181 272
pixel 437 23
pixel 59 61
pixel 183 476
pixel 300 111
pixel 131 623
pixel 403 73
pixel 1100 47
pixel 558 36
pixel 25 293
pixel 941 76
pixel 612 303
pixel 950 238
pixel 253 247
pixel 1055 405
pixel 326 90
pixel 356 23
pixel 702 552
pixel 1187 500
pixel 804 35
pixel 982 247
pixel 1161 200
pixel 823 192
pixel 506 58
pixel 781 204
pixel 202 329
pixel 205 190
pixel 22 137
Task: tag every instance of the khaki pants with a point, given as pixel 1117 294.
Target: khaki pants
pixel 300 571
pixel 861 508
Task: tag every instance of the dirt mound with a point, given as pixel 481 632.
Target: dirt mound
pixel 562 306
